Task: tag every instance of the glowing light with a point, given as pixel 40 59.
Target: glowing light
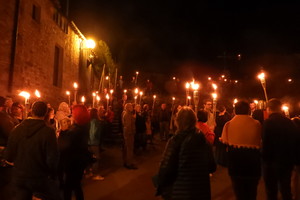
pixel 24 94
pixel 98 98
pixel 137 73
pixel 174 78
pixel 290 80
pixel 187 85
pixel 136 91
pixel 285 108
pixel 135 97
pixel 209 78
pixel 125 91
pixel 214 86
pixel 141 93
pixel 82 99
pixel 255 101
pixel 195 86
pixel 225 79
pixel 94 94
pixel 75 85
pixel 68 93
pixel 214 96
pixel 223 76
pixel 261 76
pixel 189 97
pixel 154 96
pixel 107 96
pixel 173 98
pixel 37 94
pixel 111 91
pixel 235 100
pixel 236 81
pixel 90 44
pixel 106 77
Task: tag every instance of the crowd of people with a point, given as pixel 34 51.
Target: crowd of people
pixel 58 148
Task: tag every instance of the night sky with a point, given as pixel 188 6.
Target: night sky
pixel 162 36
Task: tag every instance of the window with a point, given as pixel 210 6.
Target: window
pixel 57 68
pixel 36 12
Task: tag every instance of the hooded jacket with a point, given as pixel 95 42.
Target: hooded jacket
pixel 32 147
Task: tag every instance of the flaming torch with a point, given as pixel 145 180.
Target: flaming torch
pixel 26 96
pixel 262 79
pixel 75 85
pixel 196 95
pixel 69 98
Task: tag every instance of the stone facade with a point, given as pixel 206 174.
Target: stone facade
pixel 48 51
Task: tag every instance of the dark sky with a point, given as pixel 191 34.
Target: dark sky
pixel 164 35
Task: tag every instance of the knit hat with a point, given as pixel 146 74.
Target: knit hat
pixel 80 115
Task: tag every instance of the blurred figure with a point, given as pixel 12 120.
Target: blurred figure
pixel 147 116
pixel 203 127
pixel 32 148
pixel 17 112
pixel 279 137
pixel 94 142
pixel 296 171
pixel 76 152
pixel 50 120
pixel 140 127
pixel 62 112
pixel 186 162
pixel 252 108
pixel 220 153
pixel 211 122
pixel 164 120
pixel 242 134
pixel 8 104
pixel 128 121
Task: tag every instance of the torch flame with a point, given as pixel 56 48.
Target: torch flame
pixel 214 86
pixel 214 95
pixel 68 93
pixel 98 98
pixel 82 99
pixel 37 94
pixel 173 98
pixel 187 85
pixel 154 96
pixel 75 85
pixel 261 76
pixel 107 96
pixel 24 94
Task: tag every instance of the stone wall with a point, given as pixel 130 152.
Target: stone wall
pixel 36 42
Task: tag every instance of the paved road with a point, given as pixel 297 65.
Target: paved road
pixel 123 184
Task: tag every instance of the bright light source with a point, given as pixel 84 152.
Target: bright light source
pixel 154 96
pixel 235 100
pixel 236 81
pixel 173 98
pixel 261 76
pixel 255 101
pixel 94 94
pixel 214 96
pixel 90 44
pixel 285 108
pixel 187 85
pixel 125 91
pixel 290 80
pixel 24 94
pixel 37 94
pixel 107 96
pixel 136 91
pixel 68 93
pixel 75 85
pixel 98 98
pixel 111 91
pixel 209 78
pixel 141 93
pixel 82 99
pixel 214 86
pixel 195 86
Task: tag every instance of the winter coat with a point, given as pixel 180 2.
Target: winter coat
pixel 32 147
pixel 186 165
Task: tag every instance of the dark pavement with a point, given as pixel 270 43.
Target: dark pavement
pixel 122 184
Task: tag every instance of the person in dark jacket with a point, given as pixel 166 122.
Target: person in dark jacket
pixel 32 148
pixel 187 162
pixel 76 152
pixel 164 121
pixel 278 151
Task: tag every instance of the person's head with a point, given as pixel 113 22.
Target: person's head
pixel 208 105
pixel 202 116
pixel 80 115
pixel 242 108
pixel 138 108
pixel 274 106
pixel 50 114
pixel 94 113
pixel 163 106
pixel 221 108
pixel 65 124
pixel 16 109
pixel 8 102
pixel 146 107
pixel 128 107
pixel 39 109
pixel 252 106
pixel 186 119
pixel 64 107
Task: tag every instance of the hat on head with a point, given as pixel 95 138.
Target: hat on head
pixel 80 115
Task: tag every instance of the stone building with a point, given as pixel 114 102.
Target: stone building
pixel 41 49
